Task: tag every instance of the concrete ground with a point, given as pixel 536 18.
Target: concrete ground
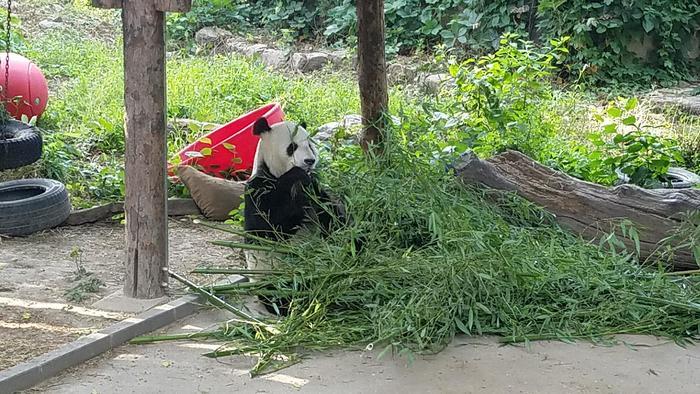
pixel 469 365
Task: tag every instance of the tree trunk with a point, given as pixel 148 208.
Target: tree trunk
pixel 586 208
pixel 145 168
pixel 372 71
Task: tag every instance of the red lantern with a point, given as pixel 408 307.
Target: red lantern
pixel 28 92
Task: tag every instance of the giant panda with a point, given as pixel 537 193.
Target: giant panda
pixel 283 194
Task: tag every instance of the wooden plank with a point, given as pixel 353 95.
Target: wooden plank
pixel 176 207
pixel 372 70
pixel 585 208
pixel 145 204
pixel 107 3
pixel 173 5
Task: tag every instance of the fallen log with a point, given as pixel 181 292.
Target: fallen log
pixel 585 208
pixel 176 207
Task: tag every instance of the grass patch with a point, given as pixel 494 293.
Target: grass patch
pixel 442 260
pixel 84 130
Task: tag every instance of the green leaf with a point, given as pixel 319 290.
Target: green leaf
pixel 631 104
pixel 614 112
pixel 461 326
pixel 383 352
pixel 483 308
pixel 610 128
pixel 228 146
pixel 205 140
pixel 648 23
pixel 634 148
pixel 630 120
pixel 205 151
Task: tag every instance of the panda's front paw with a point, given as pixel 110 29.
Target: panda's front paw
pixel 296 174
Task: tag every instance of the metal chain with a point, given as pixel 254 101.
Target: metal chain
pixel 8 37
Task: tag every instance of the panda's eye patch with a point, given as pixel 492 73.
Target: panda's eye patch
pixel 292 148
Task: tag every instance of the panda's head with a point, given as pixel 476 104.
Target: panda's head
pixel 283 146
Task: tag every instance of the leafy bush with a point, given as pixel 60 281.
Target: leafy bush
pixel 621 148
pixel 17 41
pixel 604 33
pixel 410 24
pixel 496 105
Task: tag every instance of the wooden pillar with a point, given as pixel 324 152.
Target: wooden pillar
pixel 145 206
pixel 372 70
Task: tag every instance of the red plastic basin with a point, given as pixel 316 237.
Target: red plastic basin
pixel 228 151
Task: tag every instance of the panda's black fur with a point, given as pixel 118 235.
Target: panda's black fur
pixel 277 207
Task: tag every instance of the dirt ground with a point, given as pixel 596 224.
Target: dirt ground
pixel 41 268
pixel 639 364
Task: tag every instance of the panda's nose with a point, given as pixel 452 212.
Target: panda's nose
pixel 309 162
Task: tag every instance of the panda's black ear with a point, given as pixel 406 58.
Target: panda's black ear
pixel 303 125
pixel 261 126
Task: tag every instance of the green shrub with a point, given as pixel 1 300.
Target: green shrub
pixel 602 31
pixel 621 145
pixel 496 105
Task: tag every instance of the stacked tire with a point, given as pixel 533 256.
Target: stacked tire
pixel 27 205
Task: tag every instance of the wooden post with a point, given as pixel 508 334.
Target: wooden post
pixel 145 142
pixel 372 70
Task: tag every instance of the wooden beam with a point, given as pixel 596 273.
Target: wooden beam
pixel 372 70
pixel 160 5
pixel 146 148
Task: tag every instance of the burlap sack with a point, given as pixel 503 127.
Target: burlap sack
pixel 215 197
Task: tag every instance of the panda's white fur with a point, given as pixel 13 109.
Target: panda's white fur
pixel 273 149
pixel 273 152
pixel 283 195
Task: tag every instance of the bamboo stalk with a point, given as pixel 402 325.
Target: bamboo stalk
pixel 216 301
pixel 241 233
pixel 244 246
pixel 233 271
pixel 173 337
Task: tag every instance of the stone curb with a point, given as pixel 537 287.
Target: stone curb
pixel 30 373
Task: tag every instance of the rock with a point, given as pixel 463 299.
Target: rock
pixel 435 82
pixel 308 62
pixel 235 45
pixel 316 61
pixel 211 36
pixel 275 58
pixel 337 57
pixel 49 25
pixel 685 97
pixel 399 73
pixel 351 120
pixel 255 49
pixel 328 130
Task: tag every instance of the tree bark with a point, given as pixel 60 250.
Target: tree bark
pixel 145 168
pixel 372 71
pixel 586 208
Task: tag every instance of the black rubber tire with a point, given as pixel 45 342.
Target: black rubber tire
pixel 20 145
pixel 31 205
pixel 682 178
